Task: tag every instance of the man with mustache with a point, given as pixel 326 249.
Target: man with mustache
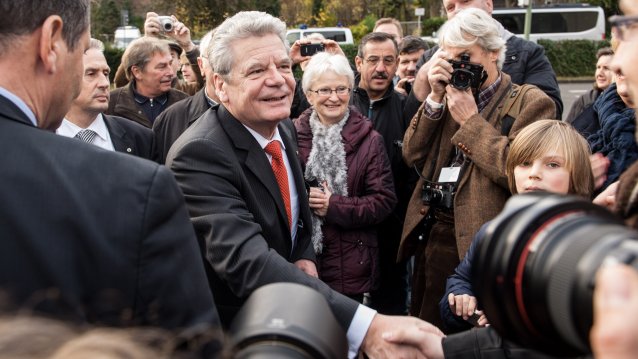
pixel 410 51
pixel 147 64
pixel 85 120
pixel 374 96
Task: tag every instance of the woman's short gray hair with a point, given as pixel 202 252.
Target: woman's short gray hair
pixel 323 62
pixel 473 26
pixel 243 25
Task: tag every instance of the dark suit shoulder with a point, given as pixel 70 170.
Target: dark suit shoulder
pixel 206 128
pixel 129 125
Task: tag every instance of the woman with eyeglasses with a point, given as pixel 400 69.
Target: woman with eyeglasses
pixel 348 172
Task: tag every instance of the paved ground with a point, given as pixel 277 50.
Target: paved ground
pixel 570 91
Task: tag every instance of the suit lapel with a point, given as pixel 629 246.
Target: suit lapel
pixel 121 142
pixel 255 159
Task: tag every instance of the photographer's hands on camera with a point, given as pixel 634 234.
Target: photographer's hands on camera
pixel 180 32
pixel 330 46
pixel 460 103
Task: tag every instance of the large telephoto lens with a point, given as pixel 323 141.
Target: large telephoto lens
pixel 286 321
pixel 534 271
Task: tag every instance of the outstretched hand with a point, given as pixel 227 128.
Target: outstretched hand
pixel 402 337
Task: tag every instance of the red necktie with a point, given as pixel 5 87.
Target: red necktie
pixel 279 168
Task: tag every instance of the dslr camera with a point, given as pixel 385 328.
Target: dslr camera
pixel 166 23
pixel 534 270
pixel 467 74
pixel 438 194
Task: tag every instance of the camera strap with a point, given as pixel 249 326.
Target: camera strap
pixel 512 107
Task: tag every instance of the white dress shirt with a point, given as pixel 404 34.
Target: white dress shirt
pixel 292 188
pixel 103 138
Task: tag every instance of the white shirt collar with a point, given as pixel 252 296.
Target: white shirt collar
pixel 69 129
pixel 263 141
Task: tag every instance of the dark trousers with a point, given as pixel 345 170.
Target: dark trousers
pixel 435 259
pixel 391 296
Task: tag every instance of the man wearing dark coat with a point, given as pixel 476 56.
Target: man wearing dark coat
pixel 85 234
pixel 85 119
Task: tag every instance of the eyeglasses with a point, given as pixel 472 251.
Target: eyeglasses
pixel 341 90
pixel 387 61
pixel 621 25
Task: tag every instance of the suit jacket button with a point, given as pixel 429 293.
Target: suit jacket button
pixel 422 211
pixel 128 150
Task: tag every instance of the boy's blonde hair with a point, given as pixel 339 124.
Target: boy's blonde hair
pixel 545 135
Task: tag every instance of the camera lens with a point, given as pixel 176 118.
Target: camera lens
pixel 269 327
pixel 462 78
pixel 167 23
pixel 534 270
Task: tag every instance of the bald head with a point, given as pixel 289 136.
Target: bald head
pixel 452 7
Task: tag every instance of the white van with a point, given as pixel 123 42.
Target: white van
pixel 342 35
pixel 556 22
pixel 124 35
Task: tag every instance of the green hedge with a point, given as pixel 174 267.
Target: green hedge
pixel 569 58
pixel 572 58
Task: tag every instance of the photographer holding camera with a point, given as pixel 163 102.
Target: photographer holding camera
pixel 459 140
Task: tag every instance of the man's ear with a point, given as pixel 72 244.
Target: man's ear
pixel 136 72
pixel 52 44
pixel 220 88
pixel 489 4
pixel 494 56
pixel 358 61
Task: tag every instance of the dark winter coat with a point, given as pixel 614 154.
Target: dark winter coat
pixel 615 138
pixel 349 261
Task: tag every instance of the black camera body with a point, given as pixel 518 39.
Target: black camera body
pixel 311 182
pixel 438 194
pixel 467 74
pixel 311 49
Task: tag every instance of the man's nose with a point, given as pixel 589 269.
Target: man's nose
pixel 275 78
pixel 380 67
pixel 104 81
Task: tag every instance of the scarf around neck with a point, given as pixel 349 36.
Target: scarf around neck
pixel 327 162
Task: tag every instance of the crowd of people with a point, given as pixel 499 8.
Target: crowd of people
pixel 163 201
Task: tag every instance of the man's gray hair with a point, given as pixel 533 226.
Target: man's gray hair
pixel 473 26
pixel 23 17
pixel 243 25
pixel 204 44
pixel 95 44
pixel 323 62
pixel 140 51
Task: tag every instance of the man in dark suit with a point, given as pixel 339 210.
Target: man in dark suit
pixel 85 119
pixel 85 234
pixel 243 184
pixel 171 123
